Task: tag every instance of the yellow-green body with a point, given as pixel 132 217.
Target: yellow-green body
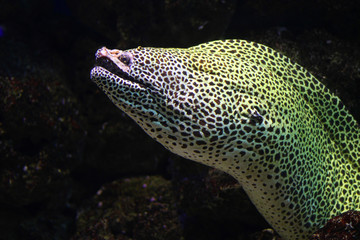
pixel 246 109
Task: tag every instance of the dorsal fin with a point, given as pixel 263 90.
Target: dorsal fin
pixel 340 124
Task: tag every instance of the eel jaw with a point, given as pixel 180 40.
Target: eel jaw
pixel 113 65
pixel 121 59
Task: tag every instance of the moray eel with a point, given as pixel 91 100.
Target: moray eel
pixel 251 112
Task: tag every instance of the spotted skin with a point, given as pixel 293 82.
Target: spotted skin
pixel 246 109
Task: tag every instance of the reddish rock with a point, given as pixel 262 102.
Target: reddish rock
pixel 343 227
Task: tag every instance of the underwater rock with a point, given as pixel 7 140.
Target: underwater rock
pixel 133 208
pixel 343 227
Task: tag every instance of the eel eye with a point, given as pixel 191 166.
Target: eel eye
pixel 125 59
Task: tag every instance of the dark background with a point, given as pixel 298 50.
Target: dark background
pixel 74 166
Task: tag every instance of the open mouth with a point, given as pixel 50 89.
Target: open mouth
pixel 113 68
pixel 110 66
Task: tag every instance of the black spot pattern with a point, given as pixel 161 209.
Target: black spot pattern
pixel 248 110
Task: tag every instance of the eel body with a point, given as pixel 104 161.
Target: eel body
pixel 248 110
